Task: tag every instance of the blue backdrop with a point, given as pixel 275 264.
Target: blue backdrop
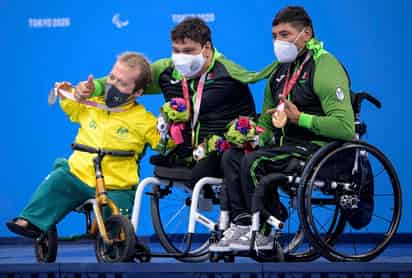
pixel 46 41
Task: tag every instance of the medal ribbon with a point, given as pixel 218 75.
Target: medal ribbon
pixel 70 96
pixel 199 93
pixel 290 83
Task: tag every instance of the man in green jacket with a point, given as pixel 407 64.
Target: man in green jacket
pixel 215 88
pixel 306 103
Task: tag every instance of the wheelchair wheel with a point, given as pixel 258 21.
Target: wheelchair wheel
pixel 295 247
pixel 45 247
pixel 292 242
pixel 357 180
pixel 291 238
pixel 120 230
pixel 170 209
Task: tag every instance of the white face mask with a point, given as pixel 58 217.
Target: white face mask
pixel 286 52
pixel 188 65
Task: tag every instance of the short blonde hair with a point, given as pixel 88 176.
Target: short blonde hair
pixel 138 61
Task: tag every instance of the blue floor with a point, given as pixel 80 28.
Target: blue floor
pixel 83 252
pixel 75 259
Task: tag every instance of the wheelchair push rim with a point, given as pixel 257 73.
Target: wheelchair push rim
pixel 369 200
pixel 170 210
pixel 294 246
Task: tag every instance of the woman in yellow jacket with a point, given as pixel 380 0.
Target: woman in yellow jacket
pixel 113 121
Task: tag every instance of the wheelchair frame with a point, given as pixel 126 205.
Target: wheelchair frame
pixel 195 215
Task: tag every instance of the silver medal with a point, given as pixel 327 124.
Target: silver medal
pixel 52 96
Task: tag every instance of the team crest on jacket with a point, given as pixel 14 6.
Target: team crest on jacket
pixel 280 78
pixel 122 131
pixel 93 124
pixel 340 95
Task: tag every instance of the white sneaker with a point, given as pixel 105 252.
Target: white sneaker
pixel 261 242
pixel 233 233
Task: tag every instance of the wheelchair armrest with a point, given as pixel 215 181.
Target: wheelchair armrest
pixel 357 98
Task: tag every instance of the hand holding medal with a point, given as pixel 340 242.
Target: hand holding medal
pixel 285 111
pixel 65 90
pixel 54 93
pixel 279 116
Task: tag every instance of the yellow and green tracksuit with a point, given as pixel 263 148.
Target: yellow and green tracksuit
pixel 72 182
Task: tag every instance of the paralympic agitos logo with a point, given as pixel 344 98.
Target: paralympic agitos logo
pixel 118 22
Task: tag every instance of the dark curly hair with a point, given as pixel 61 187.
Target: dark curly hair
pixel 295 16
pixel 192 28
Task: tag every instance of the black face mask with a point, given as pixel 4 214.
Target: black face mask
pixel 113 97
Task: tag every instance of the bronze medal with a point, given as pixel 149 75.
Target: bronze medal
pixel 279 118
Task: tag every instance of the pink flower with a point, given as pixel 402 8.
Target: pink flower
pixel 260 129
pixel 243 125
pixel 243 122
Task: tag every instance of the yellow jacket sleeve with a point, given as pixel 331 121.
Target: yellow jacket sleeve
pixel 152 135
pixel 72 109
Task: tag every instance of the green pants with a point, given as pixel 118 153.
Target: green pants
pixel 61 192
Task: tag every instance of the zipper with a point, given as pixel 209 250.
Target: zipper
pixel 289 98
pixel 104 124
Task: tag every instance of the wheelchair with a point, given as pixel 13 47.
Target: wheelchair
pixel 346 203
pixel 184 219
pixel 115 240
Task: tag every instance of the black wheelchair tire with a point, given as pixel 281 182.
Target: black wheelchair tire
pixel 198 255
pixel 325 245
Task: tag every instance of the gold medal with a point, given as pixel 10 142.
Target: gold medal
pixel 279 118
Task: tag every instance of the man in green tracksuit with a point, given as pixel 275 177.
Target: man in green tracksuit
pixel 307 103
pixel 216 84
